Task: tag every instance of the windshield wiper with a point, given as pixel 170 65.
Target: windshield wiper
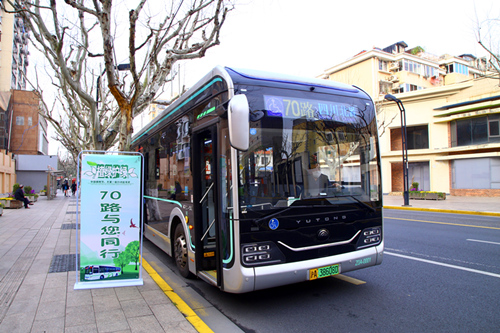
pixel 287 209
pixel 358 201
pixel 273 214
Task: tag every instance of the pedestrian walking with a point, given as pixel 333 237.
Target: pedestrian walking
pixel 65 187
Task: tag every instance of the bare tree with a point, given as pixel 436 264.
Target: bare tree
pixel 85 43
pixel 487 34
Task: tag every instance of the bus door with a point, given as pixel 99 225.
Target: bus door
pixel 206 217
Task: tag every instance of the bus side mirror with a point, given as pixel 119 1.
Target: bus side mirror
pixel 239 124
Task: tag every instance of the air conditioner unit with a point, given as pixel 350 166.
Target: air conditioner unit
pixel 394 65
pixel 393 78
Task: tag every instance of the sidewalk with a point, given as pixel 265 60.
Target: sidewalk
pixel 37 276
pixel 452 204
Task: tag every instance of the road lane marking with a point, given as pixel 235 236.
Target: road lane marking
pixel 443 264
pixel 435 222
pixel 482 241
pixel 349 279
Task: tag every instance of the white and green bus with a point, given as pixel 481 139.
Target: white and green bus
pixel 255 180
pixel 98 272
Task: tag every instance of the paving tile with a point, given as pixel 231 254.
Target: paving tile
pixel 35 278
pixel 80 315
pixel 56 280
pixel 51 310
pixel 111 321
pixel 106 303
pixel 135 308
pixel 19 322
pixel 167 313
pixel 100 292
pixel 53 295
pixel 78 297
pixel 153 297
pixel 145 324
pixel 30 292
pixel 23 305
pixel 48 325
pixel 128 293
pixel 88 328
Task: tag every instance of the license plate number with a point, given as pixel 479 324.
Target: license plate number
pixel 321 272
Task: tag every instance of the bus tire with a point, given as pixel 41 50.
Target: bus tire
pixel 181 251
pixel 101 277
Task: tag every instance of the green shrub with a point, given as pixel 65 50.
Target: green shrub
pixel 27 189
pixel 15 187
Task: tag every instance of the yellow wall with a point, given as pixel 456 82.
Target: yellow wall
pixel 7 172
pixel 360 74
pixel 6 48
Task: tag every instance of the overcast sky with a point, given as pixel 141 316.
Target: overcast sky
pixel 306 37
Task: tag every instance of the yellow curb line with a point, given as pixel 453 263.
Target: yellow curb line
pixel 190 315
pixel 452 211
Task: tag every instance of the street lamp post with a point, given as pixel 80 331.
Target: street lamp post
pixel 404 148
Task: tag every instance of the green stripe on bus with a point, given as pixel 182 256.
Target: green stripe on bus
pixel 166 200
pixel 177 108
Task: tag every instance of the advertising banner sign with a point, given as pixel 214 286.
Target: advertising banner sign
pixel 110 246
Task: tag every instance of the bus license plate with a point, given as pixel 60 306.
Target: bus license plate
pixel 318 273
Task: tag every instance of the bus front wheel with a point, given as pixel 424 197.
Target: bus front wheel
pixel 181 251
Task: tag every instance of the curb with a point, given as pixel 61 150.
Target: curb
pixel 190 315
pixel 452 211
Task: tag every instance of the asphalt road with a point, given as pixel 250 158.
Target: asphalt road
pixel 441 273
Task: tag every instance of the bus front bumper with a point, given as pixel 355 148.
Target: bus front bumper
pixel 272 276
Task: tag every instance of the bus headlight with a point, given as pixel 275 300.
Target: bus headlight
pixel 263 253
pixel 370 237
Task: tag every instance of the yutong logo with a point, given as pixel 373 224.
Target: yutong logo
pixel 323 234
pixel 325 219
pixel 108 171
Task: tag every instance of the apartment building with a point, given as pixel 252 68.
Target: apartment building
pixel 452 117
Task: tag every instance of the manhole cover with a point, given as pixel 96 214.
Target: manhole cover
pixel 63 263
pixel 66 226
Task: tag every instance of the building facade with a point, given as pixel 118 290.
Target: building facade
pixel 29 129
pixel 452 118
pixel 13 49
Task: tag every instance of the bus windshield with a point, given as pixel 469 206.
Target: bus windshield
pixel 309 148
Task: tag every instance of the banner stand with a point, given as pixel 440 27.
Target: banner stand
pixel 109 221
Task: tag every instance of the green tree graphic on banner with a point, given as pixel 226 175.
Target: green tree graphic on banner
pixel 133 250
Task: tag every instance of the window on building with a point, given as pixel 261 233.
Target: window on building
pixel 382 65
pixel 494 125
pixel 384 87
pixel 457 68
pixel 475 131
pixel 30 121
pixel 417 137
pixel 20 120
pixel 412 66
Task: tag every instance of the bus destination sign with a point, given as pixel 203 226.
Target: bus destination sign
pixel 296 108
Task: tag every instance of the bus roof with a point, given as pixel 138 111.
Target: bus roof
pixel 291 79
pixel 237 75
